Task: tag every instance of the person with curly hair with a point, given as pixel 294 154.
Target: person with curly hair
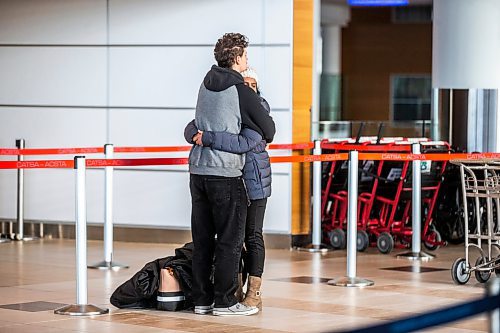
pixel 218 194
pixel 257 177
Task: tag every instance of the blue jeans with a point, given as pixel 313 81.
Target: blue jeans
pixel 219 207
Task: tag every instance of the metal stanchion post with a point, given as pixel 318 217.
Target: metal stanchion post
pixel 316 245
pixel 20 194
pixel 81 308
pixel 416 205
pixel 352 225
pixel 493 289
pixel 108 217
pixel 20 144
pixel 4 235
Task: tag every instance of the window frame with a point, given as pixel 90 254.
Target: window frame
pixel 392 91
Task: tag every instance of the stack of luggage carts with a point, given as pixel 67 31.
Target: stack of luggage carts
pixel 384 194
pixel 481 203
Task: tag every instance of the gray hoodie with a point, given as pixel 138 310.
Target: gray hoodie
pixel 225 104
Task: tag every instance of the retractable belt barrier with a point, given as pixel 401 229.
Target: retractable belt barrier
pixel 95 163
pixel 51 151
pixel 92 163
pixel 80 164
pixel 429 157
pixel 159 149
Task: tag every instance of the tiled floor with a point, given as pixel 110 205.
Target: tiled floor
pixel 296 296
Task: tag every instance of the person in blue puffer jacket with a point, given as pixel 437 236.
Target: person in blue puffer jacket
pixel 257 177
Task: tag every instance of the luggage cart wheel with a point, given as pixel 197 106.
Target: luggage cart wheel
pixel 338 238
pixel 385 243
pixel 433 236
pixel 459 272
pixel 362 240
pixel 482 276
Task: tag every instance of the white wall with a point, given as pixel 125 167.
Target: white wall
pixel 466 44
pixel 61 85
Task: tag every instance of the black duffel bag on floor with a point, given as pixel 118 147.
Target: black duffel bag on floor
pixel 142 290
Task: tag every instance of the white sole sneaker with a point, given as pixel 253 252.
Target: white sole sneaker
pixel 236 310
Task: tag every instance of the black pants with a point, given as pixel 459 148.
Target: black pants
pixel 254 242
pixel 219 207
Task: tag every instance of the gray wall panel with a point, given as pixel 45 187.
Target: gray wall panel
pixel 53 22
pixel 53 75
pixel 162 199
pixel 44 128
pixel 158 77
pixel 171 76
pixel 278 211
pixel 149 127
pixel 152 198
pixel 49 194
pixel 198 22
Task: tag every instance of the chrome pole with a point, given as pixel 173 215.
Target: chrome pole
pixel 108 207
pixel 108 217
pixel 316 245
pixel 416 197
pixel 352 225
pixel 81 308
pixel 352 214
pixel 81 232
pixel 316 232
pixel 416 206
pixel 20 144
pixel 493 289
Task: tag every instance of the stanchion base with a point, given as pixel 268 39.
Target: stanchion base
pixel 16 237
pixel 108 265
pixel 313 248
pixel 4 240
pixel 81 310
pixel 346 281
pixel 420 256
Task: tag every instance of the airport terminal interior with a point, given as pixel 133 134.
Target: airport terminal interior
pixel 38 277
pixel 383 214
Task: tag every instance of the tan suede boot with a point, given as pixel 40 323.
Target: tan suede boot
pixel 252 297
pixel 239 292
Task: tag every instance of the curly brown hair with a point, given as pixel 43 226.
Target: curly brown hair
pixel 228 47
